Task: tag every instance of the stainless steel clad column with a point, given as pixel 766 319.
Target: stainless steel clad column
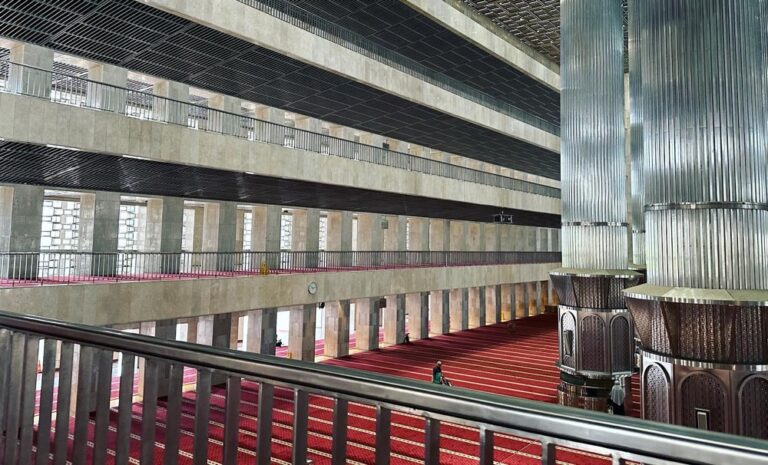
pixel 636 135
pixel 595 232
pixel 702 316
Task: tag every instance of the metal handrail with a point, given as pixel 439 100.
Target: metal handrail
pixel 339 35
pixel 623 439
pixel 77 91
pixel 65 267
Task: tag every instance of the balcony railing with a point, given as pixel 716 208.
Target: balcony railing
pixel 339 35
pixel 73 90
pixel 65 267
pixel 229 417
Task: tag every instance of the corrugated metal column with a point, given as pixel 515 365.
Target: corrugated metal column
pixel 701 318
pixel 636 135
pixel 595 234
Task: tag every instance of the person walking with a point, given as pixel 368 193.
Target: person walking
pixel 617 397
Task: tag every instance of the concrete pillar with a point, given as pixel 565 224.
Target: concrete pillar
pixel 507 296
pixel 439 235
pixel 301 333
pixel 369 239
pixel 372 139
pixel 311 140
pixel 274 129
pixel 521 303
pixel 417 309
pixel 531 290
pixel 337 328
pixel 216 331
pixel 261 331
pixel 219 231
pixel 475 237
pixel 99 228
pixel 165 223
pixel 34 78
pixel 439 312
pixel 339 237
pixel 543 301
pixel 21 219
pixel 394 319
pixel 265 232
pixel 343 143
pixel 459 310
pixel 477 311
pixel 109 97
pixel 492 304
pixel 418 231
pixel 175 110
pixel 229 122
pixel 367 313
pixel 395 238
pixel 305 237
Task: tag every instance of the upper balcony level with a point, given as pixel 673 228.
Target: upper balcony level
pixel 242 51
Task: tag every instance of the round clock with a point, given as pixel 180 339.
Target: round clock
pixel 312 288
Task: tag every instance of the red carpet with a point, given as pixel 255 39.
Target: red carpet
pixel 488 359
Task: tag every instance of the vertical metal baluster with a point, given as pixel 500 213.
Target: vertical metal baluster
pixel 173 414
pixel 486 446
pixel 264 428
pixel 383 422
pixel 46 401
pixel 547 453
pixel 64 391
pixel 5 348
pixel 339 446
pixel 29 387
pixel 300 419
pixel 103 394
pixel 232 421
pixel 125 405
pixel 432 442
pixel 14 399
pixel 149 412
pixel 82 408
pixel 202 414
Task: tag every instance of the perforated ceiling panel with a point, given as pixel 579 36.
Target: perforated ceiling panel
pixel 133 35
pixel 535 22
pixel 69 169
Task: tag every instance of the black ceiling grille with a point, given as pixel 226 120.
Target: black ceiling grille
pixel 70 169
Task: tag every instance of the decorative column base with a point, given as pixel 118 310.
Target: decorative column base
pixel 705 357
pixel 596 335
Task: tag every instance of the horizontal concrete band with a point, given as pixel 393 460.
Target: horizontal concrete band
pixel 127 302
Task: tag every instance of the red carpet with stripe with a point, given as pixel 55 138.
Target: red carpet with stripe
pixel 490 359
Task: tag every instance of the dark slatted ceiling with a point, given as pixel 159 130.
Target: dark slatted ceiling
pixel 70 169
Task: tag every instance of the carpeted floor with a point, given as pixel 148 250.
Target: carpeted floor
pixel 491 359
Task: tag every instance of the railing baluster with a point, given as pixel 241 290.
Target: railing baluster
pixel 548 452
pixel 432 442
pixel 232 421
pixel 202 414
pixel 5 380
pixel 300 419
pixel 149 411
pixel 83 406
pixel 383 427
pixel 339 445
pixel 61 438
pixel 103 394
pixel 486 446
pixel 173 414
pixel 264 428
pixel 125 405
pixel 46 401
pixel 10 439
pixel 29 382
